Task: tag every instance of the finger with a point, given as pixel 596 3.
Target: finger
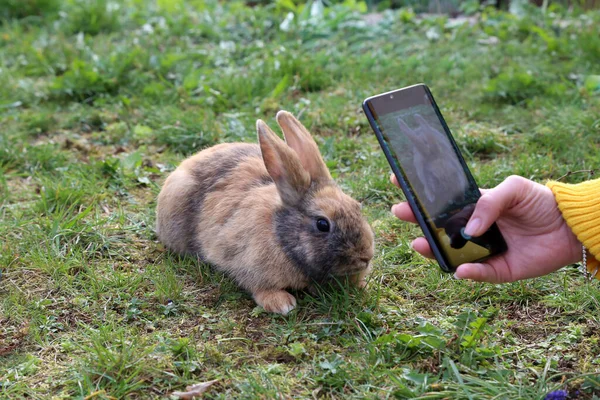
pixel 420 245
pixel 494 202
pixel 480 272
pixel 394 180
pixel 404 212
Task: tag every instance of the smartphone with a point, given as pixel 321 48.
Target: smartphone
pixel 432 173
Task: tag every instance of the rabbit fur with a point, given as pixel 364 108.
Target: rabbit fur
pixel 252 210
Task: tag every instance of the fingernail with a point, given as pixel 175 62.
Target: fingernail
pixel 394 208
pixel 456 276
pixel 472 226
pixel 463 234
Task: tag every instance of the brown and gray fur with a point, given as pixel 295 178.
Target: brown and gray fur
pixel 251 211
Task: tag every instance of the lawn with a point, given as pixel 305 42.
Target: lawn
pixel 100 100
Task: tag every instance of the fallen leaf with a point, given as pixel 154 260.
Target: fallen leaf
pixel 195 390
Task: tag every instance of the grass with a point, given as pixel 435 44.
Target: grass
pixel 101 100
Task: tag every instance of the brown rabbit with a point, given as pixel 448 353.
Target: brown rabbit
pixel 268 215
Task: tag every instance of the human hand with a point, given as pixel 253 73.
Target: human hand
pixel 539 240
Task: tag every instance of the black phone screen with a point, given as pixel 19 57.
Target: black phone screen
pixel 432 173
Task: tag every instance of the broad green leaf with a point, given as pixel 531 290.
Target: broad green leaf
pixel 283 84
pixel 287 4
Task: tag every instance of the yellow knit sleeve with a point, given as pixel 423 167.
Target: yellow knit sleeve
pixel 580 207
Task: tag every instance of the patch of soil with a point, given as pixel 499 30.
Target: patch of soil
pixel 12 336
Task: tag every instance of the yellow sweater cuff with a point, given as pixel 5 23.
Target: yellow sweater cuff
pixel 580 207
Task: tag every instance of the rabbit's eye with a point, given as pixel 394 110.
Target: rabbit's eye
pixel 323 225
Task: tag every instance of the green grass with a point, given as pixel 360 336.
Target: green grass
pixel 100 103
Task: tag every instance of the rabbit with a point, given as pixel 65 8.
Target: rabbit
pixel 436 166
pixel 268 215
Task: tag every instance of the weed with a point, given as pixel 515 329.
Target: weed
pixel 113 363
pixel 92 17
pixel 22 9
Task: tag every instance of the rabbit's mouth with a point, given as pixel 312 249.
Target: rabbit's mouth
pixel 351 268
pixel 363 263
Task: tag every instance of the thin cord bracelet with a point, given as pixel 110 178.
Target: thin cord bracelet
pixel 584 264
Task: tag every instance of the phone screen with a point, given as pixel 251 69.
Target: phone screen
pixel 432 173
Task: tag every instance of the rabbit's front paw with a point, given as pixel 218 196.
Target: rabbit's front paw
pixel 277 301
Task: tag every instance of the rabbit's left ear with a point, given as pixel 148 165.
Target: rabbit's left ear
pixel 283 165
pixel 422 121
pixel 299 139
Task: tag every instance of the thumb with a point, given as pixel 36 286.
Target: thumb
pixel 496 201
pixel 481 272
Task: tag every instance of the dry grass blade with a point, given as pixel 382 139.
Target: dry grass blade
pixel 196 390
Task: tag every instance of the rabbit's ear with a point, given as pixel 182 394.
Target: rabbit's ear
pixel 433 134
pixel 299 139
pixel 404 127
pixel 422 121
pixel 408 131
pixel 283 165
pixel 414 135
